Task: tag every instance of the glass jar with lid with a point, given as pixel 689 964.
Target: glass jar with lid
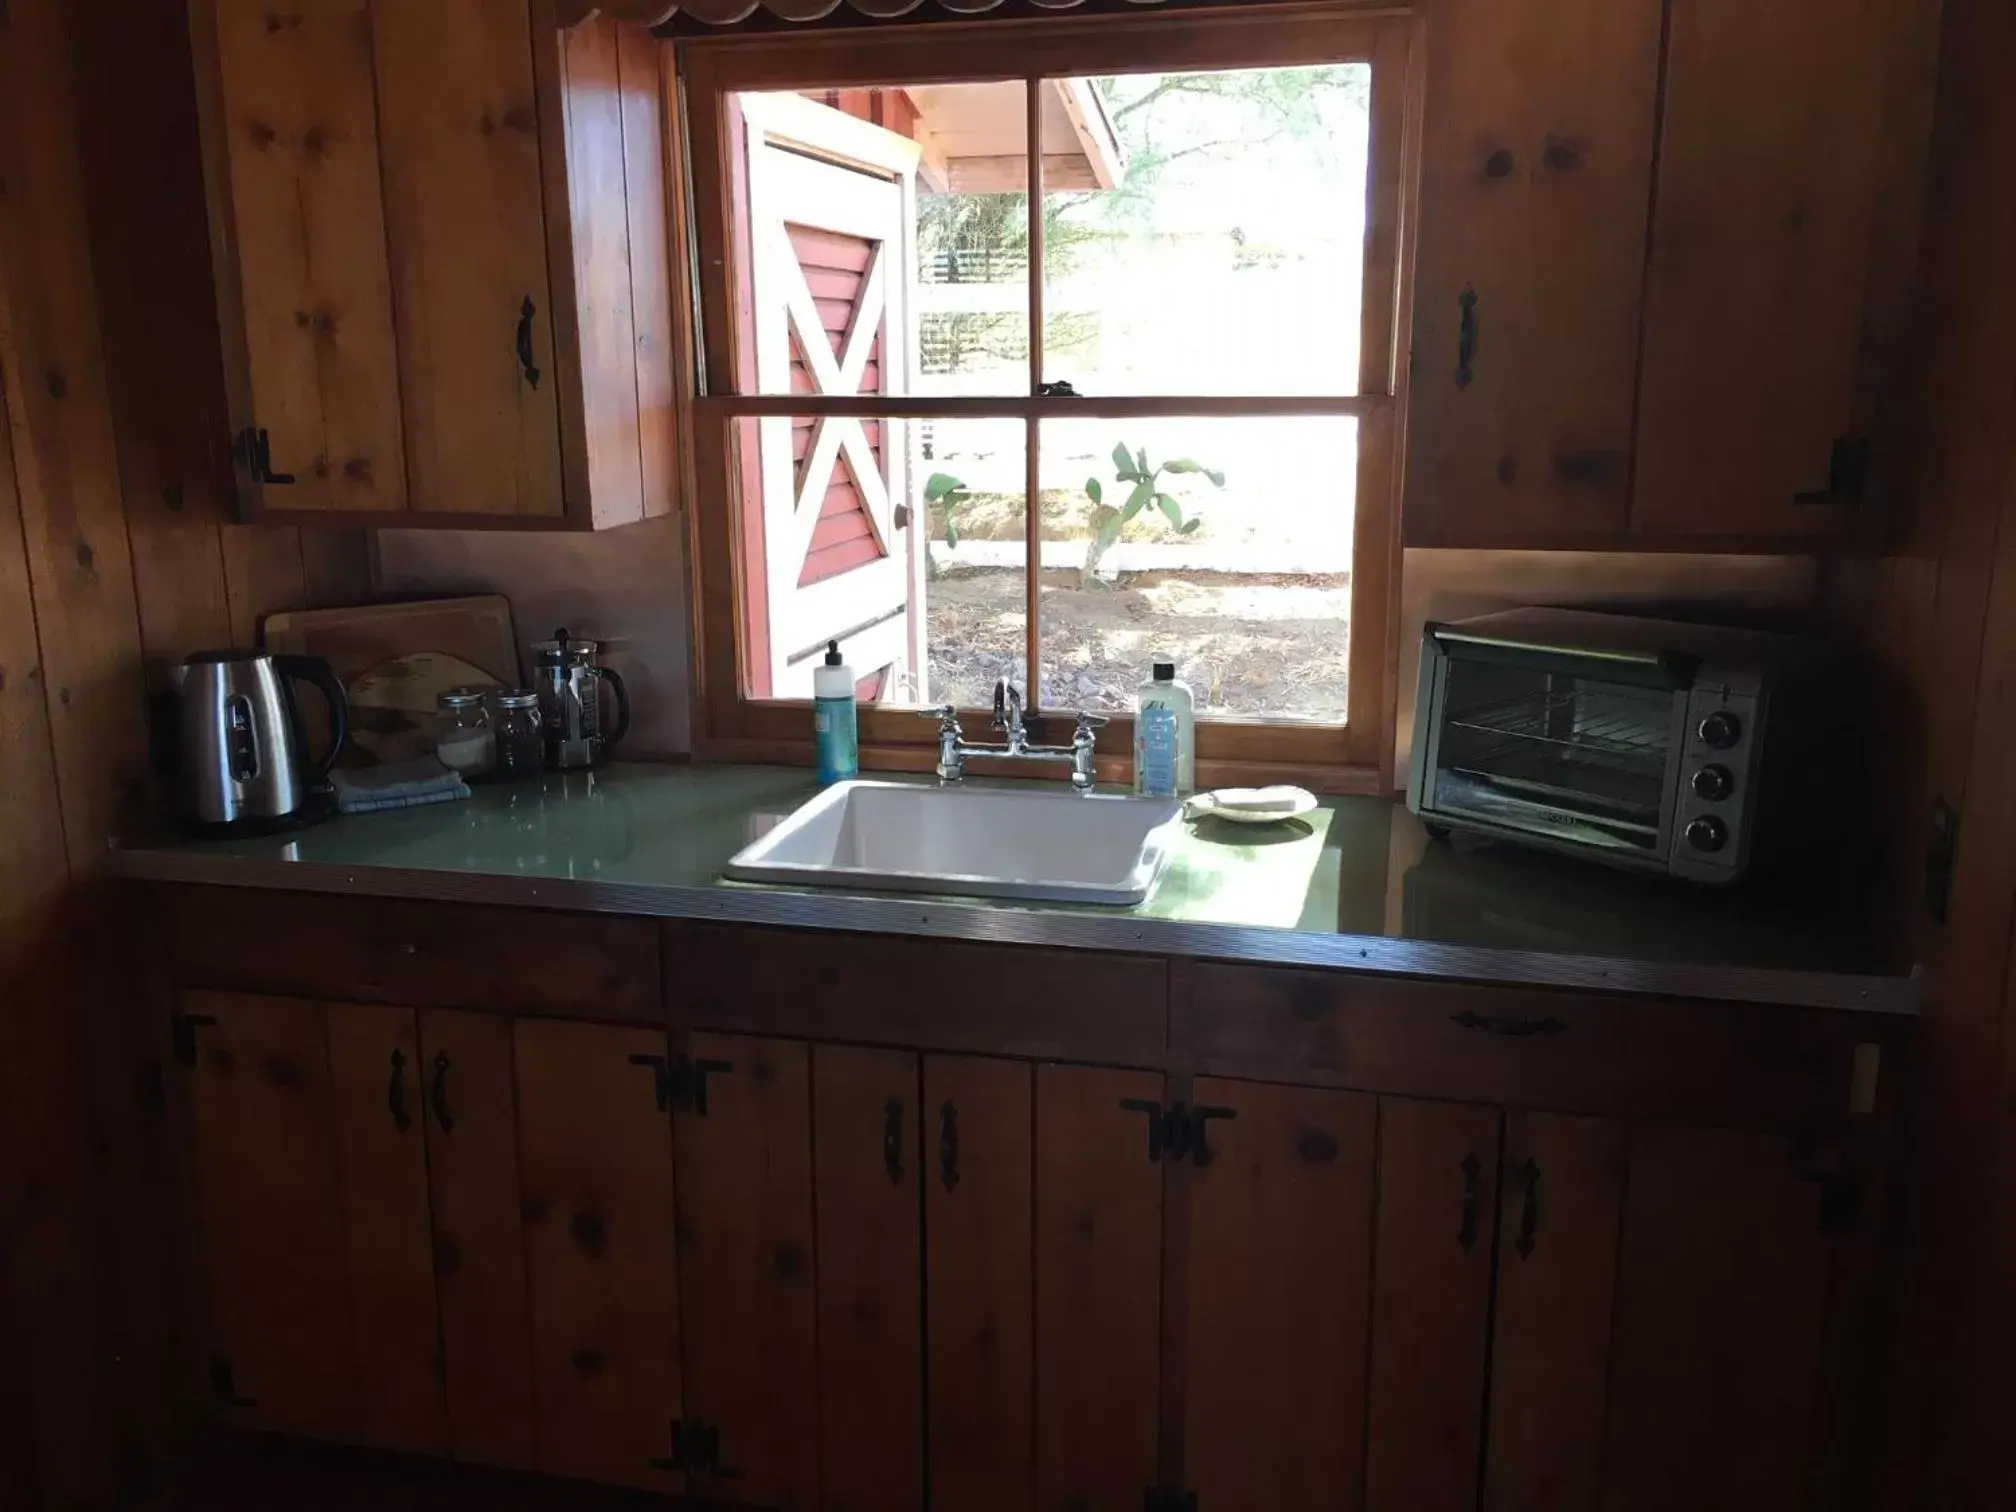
pixel 466 744
pixel 521 736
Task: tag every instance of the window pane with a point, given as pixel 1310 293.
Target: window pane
pixel 1205 234
pixel 1247 589
pixel 830 549
pixel 884 240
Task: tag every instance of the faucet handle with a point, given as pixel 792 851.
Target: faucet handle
pixel 947 716
pixel 1089 724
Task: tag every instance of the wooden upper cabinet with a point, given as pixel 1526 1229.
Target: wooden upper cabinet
pixel 1537 177
pixel 444 262
pixel 1788 156
pixel 465 216
pixel 298 224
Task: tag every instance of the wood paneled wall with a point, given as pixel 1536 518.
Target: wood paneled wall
pixel 1935 603
pixel 115 547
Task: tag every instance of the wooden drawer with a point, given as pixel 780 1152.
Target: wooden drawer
pixel 923 994
pixel 419 955
pixel 1528 1048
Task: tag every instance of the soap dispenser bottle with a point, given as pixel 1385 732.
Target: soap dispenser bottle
pixel 834 718
pixel 1165 736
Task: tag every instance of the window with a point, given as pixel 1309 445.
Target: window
pixel 1049 350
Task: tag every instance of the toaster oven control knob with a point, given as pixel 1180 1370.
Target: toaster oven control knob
pixel 1714 783
pixel 1721 730
pixel 1707 833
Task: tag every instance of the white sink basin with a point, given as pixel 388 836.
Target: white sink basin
pixel 982 842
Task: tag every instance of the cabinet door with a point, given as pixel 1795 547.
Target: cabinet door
pixel 1098 1290
pixel 746 1267
pixel 465 220
pixel 978 1223
pixel 1280 1243
pixel 1786 127
pixel 1431 1301
pixel 595 1156
pixel 305 288
pixel 1537 170
pixel 1559 1206
pixel 374 1057
pixel 871 1347
pixel 479 1248
pixel 270 1214
pixel 1721 1295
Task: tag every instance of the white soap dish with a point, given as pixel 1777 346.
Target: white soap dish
pixel 1273 805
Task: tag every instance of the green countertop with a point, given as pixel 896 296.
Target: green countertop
pixel 1355 885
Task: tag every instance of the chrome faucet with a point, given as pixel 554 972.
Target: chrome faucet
pixel 953 749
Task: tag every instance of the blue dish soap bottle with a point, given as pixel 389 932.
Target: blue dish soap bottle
pixel 1165 736
pixel 834 718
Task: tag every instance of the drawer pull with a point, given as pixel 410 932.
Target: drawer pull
pixel 948 1144
pixel 1509 1028
pixel 1466 337
pixel 892 1141
pixel 1529 1208
pixel 437 1094
pixel 395 1093
pixel 1473 1188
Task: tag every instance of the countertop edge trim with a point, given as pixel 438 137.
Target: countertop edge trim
pixel 932 918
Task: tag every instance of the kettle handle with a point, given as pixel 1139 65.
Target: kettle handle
pixel 312 669
pixel 615 681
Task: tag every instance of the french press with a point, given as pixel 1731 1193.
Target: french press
pixel 569 683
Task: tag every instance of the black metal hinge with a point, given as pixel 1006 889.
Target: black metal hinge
pixel 1177 1130
pixel 253 449
pixel 224 1386
pixel 681 1084
pixel 1847 474
pixel 1168 1499
pixel 696 1453
pixel 182 1029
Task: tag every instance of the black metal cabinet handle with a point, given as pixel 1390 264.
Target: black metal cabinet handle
pixel 701 1071
pixel 892 1141
pixel 527 313
pixel 182 1034
pixel 1473 1189
pixel 1510 1028
pixel 948 1144
pixel 661 1078
pixel 224 1384
pixel 437 1094
pixel 1466 337
pixel 395 1093
pixel 1529 1208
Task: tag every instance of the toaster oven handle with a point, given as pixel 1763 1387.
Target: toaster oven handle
pixel 1650 669
pixel 312 669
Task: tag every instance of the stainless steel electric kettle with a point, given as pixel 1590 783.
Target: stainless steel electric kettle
pixel 244 768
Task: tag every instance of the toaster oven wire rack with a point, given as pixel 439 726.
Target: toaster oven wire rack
pixel 1572 726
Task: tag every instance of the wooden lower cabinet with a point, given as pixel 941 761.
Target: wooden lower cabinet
pixel 1279 1236
pixel 602 1256
pixel 804 1275
pixel 748 1290
pixel 1098 1287
pixel 979 1289
pixel 262 1111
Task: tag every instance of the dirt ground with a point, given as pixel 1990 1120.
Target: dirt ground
pixel 1247 644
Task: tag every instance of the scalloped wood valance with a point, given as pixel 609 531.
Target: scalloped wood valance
pixel 729 12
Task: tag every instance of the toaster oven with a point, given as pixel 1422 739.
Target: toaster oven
pixel 1692 750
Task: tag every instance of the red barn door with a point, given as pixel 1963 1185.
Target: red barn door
pixel 831 210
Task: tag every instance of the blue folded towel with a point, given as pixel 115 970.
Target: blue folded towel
pixel 399 784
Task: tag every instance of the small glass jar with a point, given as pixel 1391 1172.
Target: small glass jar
pixel 521 736
pixel 467 744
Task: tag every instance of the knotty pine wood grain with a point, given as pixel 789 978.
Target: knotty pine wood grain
pixel 1771 200
pixel 465 216
pixel 301 222
pixel 649 173
pixel 1538 173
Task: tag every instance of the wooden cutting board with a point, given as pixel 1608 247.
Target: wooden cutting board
pixel 395 660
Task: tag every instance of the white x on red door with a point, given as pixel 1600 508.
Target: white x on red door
pixel 831 204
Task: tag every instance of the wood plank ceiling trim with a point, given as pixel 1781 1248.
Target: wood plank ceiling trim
pixel 729 12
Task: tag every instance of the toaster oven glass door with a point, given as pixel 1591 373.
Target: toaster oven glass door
pixel 1560 754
